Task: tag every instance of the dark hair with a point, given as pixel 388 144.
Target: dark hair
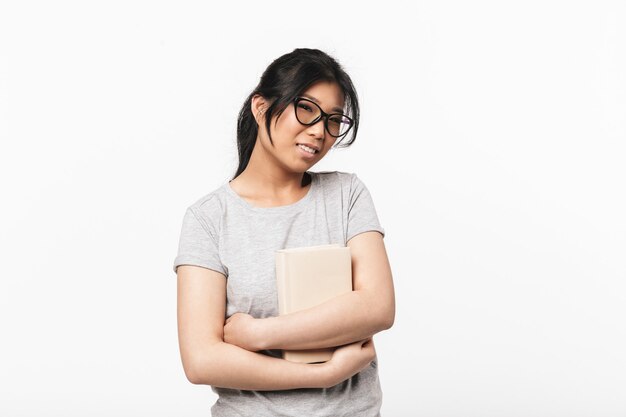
pixel 284 79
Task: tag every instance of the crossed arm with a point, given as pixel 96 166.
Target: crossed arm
pixel 226 356
pixel 367 310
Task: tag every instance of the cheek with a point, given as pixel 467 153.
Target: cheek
pixel 288 126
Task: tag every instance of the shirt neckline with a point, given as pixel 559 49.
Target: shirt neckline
pixel 276 209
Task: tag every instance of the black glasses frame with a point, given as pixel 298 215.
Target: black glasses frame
pixel 322 115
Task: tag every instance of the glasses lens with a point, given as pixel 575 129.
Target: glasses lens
pixel 338 124
pixel 306 112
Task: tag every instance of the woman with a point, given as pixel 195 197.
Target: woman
pixel 225 263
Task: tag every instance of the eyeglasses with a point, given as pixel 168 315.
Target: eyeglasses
pixel 308 113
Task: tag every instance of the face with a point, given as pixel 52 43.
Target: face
pixel 288 132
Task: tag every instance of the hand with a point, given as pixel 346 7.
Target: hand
pixel 350 359
pixel 242 329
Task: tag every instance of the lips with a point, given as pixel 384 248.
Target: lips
pixel 310 145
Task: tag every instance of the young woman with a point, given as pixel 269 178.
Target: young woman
pixel 230 333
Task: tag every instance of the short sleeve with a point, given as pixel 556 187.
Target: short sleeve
pixel 362 216
pixel 198 244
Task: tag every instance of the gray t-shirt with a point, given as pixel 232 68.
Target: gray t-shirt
pixel 223 232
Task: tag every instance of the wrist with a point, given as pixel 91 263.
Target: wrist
pixel 324 374
pixel 264 333
pixel 330 374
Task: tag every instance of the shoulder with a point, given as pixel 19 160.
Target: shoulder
pixel 338 178
pixel 209 207
pixel 346 181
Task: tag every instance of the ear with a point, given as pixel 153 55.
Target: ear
pixel 258 107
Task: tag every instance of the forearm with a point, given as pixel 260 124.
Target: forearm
pixel 229 366
pixel 340 320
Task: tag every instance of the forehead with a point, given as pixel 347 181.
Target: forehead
pixel 327 94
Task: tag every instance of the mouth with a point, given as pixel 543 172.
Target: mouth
pixel 309 149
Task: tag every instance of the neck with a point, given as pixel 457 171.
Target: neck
pixel 268 176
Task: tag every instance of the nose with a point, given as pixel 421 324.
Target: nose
pixel 317 130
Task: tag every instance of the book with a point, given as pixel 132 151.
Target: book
pixel 309 276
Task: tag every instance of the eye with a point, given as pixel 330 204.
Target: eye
pixel 338 119
pixel 305 107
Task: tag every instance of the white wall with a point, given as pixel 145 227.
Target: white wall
pixel 492 140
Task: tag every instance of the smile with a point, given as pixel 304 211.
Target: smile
pixel 307 149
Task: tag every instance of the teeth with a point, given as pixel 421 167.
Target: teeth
pixel 306 148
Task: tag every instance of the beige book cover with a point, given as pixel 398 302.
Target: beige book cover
pixel 308 276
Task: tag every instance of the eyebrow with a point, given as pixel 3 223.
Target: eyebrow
pixel 337 109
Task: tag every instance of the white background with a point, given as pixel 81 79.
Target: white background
pixel 492 140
